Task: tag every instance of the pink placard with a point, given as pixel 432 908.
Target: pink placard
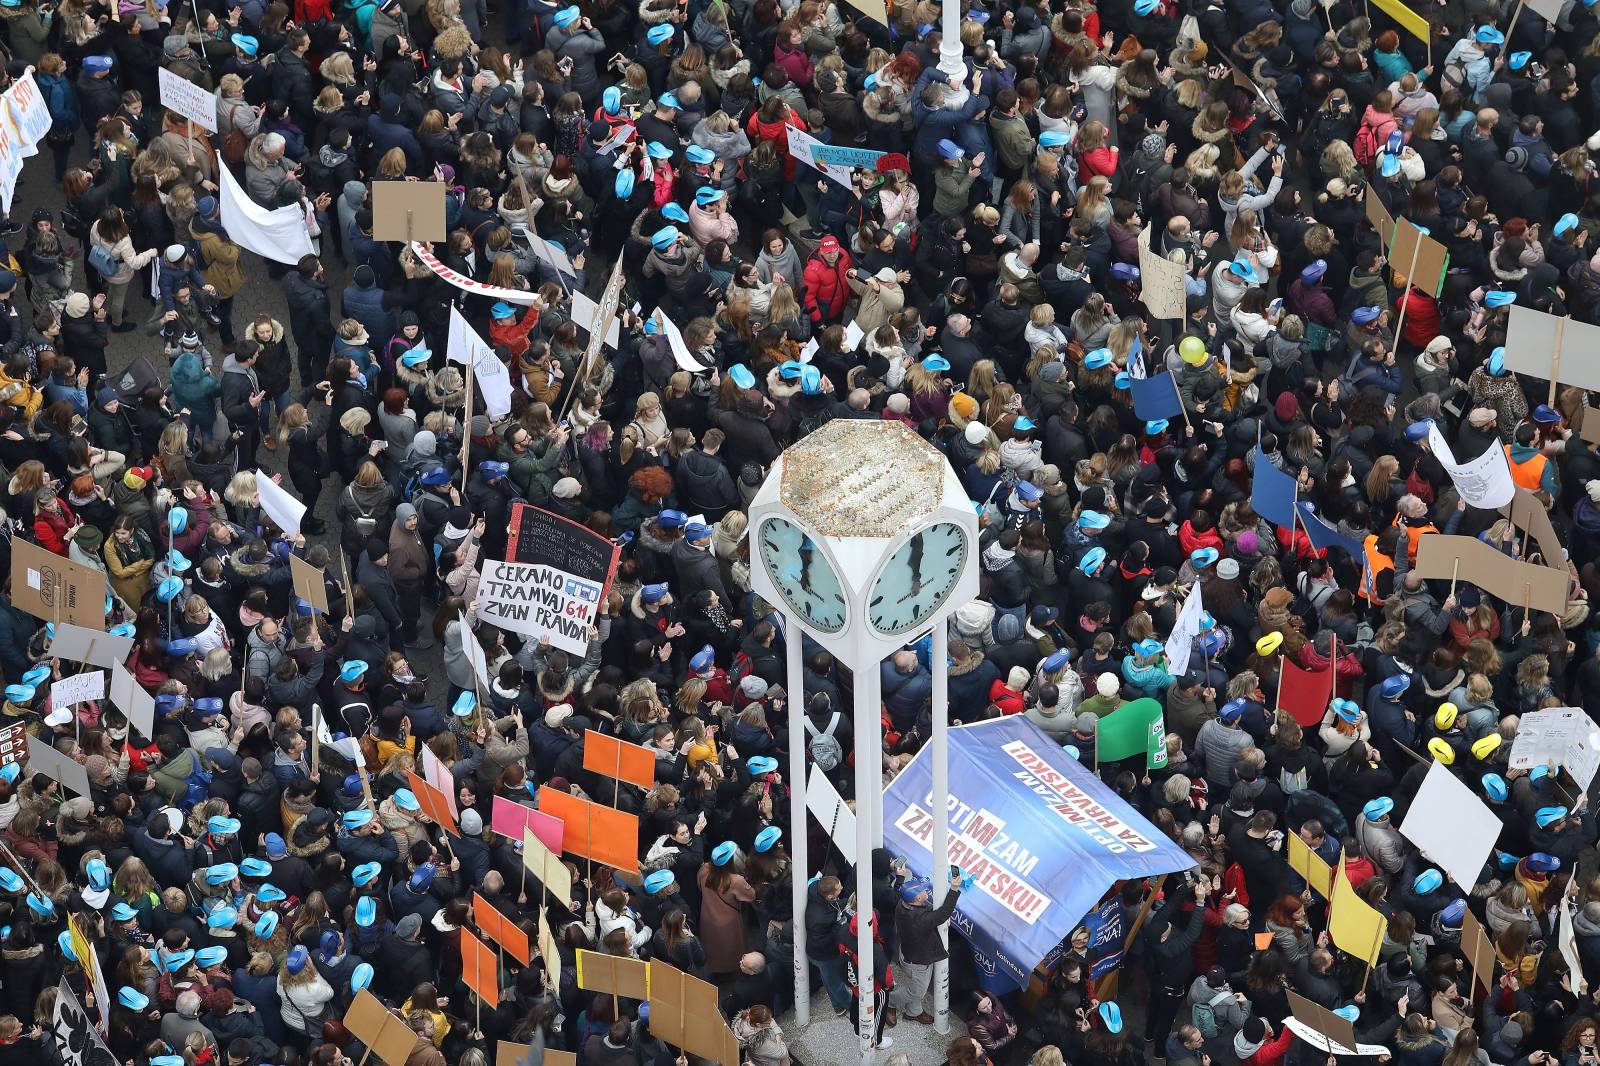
pixel 508 818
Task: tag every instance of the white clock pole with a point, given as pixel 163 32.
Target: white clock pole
pixel 792 641
pixel 939 654
pixel 869 793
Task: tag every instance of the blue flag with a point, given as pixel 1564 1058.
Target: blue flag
pixel 1322 535
pixel 1041 836
pixel 1272 491
pixel 1155 397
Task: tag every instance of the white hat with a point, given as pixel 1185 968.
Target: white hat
pixel 1593 489
pixel 1108 685
pixel 471 822
pixel 886 275
pixel 175 253
pixel 976 432
pixel 63 715
pixel 557 714
pixel 566 489
pixel 1017 678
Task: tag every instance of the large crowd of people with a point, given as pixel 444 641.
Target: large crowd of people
pixel 980 283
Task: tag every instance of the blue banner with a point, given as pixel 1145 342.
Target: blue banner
pixel 1324 536
pixel 1272 494
pixel 1043 838
pixel 1156 397
pixel 844 156
pixel 1107 925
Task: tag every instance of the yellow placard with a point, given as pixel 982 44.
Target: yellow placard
pixel 1352 923
pixel 1311 866
pixel 1408 19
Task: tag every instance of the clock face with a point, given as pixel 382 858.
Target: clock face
pixel 803 576
pixel 917 579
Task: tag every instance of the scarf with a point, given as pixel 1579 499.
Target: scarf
pixel 995 557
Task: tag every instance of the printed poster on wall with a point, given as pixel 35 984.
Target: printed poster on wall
pixel 552 583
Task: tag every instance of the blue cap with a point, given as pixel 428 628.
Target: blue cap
pixel 1427 881
pixel 761 764
pixel 99 63
pixel 1497 363
pixel 406 800
pixel 741 376
pixel 1394 687
pixel 1349 710
pixel 1155 427
pixel 700 156
pixel 169 588
pixel 1538 774
pixel 1566 223
pixel 1520 59
pixel 671 518
pixel 1243 268
pixel 1388 165
pixel 611 99
pixel 665 237
pixel 1092 560
pixel 1023 424
pixel 367 872
pixel 435 475
pixel 1454 914
pixel 64 944
pixel 352 785
pixel 501 309
pixel 132 998
pixel 1546 415
pixel 270 893
pixel 1027 490
pixel 703 660
pixel 1313 273
pixel 653 593
pixel 949 149
pixel 1233 710
pixel 297 959
pixel 267 924
pixel 222 918
pixel 1204 557
pixel 1093 520
pixel 1123 381
pixel 1362 316
pixel 464 705
pixel 357 818
pixel 1124 271
pixel 914 887
pixel 422 878
pixel 253 867
pixel 723 853
pixel 243 42
pixel 696 531
pixel 211 956
pixel 1056 660
pixel 1489 35
pixel 657 880
pixel 706 195
pixel 493 468
pixel 36 675
pixel 1544 816
pixel 361 976
pixel 1148 647
pixel 415 357
pixel 1095 360
pixel 1145 7
pixel 168 702
pixel 221 825
pixel 1418 431
pixel 935 362
pixel 1494 786
pixel 121 912
pixel 179 960
pixel 353 670
pixel 791 369
pixel 1543 862
pixel 675 212
pixel 366 911
pixel 767 838
pixel 1054 139
pixel 657 150
pixel 659 34
pixel 177 561
pixel 1378 808
pixel 669 99
pixel 20 693
pixel 9 881
pixel 567 15
pixel 1111 1014
pixel 221 873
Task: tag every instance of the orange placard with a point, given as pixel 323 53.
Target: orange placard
pixel 618 759
pixel 593 831
pixel 1263 941
pixel 479 969
pixel 433 803
pixel 500 929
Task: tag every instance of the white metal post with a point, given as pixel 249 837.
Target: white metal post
pixel 869 796
pixel 952 58
pixel 797 822
pixel 940 804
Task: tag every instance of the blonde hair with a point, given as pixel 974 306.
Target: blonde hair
pixel 242 489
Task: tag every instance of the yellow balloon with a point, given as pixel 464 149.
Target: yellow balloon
pixel 1192 350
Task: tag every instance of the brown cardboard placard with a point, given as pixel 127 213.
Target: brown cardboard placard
pixel 1378 215
pixel 510 1053
pixel 408 211
pixel 599 972
pixel 310 583
pixel 1479 952
pixel 549 950
pixel 56 589
pixel 1588 426
pixel 1445 557
pixel 671 986
pixel 385 1032
pixel 1531 348
pixel 1529 515
pixel 547 866
pixel 1323 1020
pixel 1431 258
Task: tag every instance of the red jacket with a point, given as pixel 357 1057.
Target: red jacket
pixel 777 133
pixel 796 64
pixel 513 332
pixel 1101 162
pixel 1008 700
pixel 1271 1053
pixel 1422 317
pixel 50 528
pixel 827 291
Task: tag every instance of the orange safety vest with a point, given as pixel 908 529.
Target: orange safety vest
pixel 1529 474
pixel 1414 534
pixel 1377 563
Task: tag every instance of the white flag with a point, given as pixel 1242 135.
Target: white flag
pixel 280 234
pixel 1181 644
pixel 1483 482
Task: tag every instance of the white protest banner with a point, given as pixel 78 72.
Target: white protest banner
pixel 553 582
pixel 803 147
pixel 494 380
pixel 281 507
pixel 1558 736
pixel 1567 939
pixel 1180 646
pixel 79 688
pixel 1451 826
pixel 830 811
pixel 77 1043
pixel 1483 482
pixel 437 774
pixel 680 350
pixel 552 253
pixel 587 314
pixel 525 297
pixel 621 136
pixel 279 235
pixel 474 652
pixel 319 726
pixel 134 702
pixel 24 120
pixel 852 339
pixel 188 99
pixel 90 646
pixel 44 759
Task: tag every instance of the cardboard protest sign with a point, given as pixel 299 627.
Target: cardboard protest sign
pixel 680 350
pixel 1356 928
pixel 500 929
pixel 1448 557
pixel 1531 348
pixel 134 702
pixel 408 211
pixel 683 1012
pixel 1309 865
pixel 479 970
pixel 593 831
pixel 599 972
pixel 78 688
pixel 24 120
pixel 1483 482
pixel 433 803
pixel 545 864
pixel 1451 826
pixel 310 583
pixel 384 1032
pixel 284 510
pixel 83 948
pixel 1564 737
pixel 1322 1019
pixel 832 813
pixel 603 754
pixel 437 774
pixel 1567 940
pixel 600 319
pixel 508 1053
pixel 77 1042
pixel 1418 256
pixel 509 818
pixel 552 581
pixel 1180 645
pixel 56 589
pixel 876 10
pixel 492 378
pixel 1530 516
pixel 1407 19
pixel 1479 951
pixel 92 646
pixel 1378 215
pixel 191 101
pixel 549 950
pixel 1161 286
pixel 1549 10
pixel 802 146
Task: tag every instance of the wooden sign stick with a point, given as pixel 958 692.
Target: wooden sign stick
pixel 1555 356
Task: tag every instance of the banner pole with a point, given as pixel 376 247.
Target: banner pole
pixel 1184 411
pixel 941 816
pixel 466 430
pixel 1515 15
pixel 798 841
pixel 1455 570
pixel 1555 361
pixel 1411 282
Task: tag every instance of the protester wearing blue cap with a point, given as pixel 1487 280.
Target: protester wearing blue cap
pixel 1097 359
pixel 1092 561
pixel 723 853
pixel 675 212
